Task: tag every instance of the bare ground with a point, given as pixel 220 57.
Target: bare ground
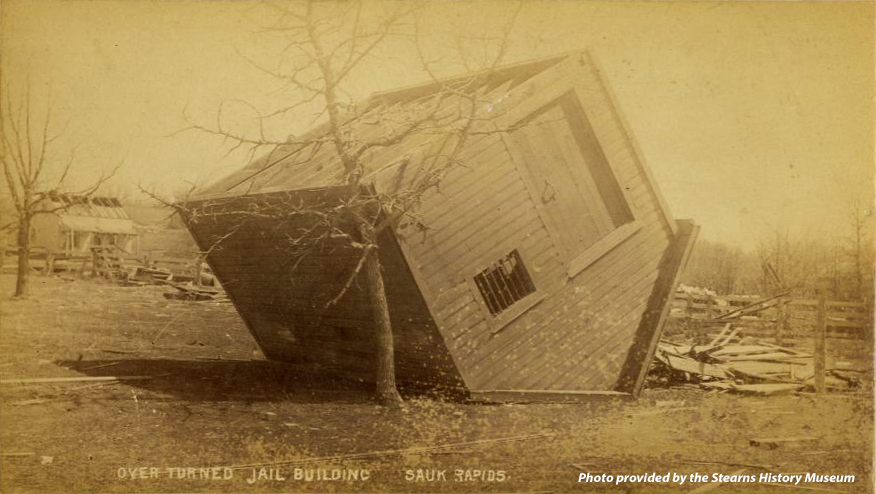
pixel 213 401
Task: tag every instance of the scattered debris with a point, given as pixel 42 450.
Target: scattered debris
pixel 734 363
pixel 47 460
pixel 754 307
pixel 140 275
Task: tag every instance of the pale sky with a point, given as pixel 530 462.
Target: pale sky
pixel 752 115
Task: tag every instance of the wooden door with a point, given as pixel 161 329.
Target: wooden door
pixel 567 191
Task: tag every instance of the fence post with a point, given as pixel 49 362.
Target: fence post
pixel 95 261
pixel 820 340
pixel 710 307
pixel 782 323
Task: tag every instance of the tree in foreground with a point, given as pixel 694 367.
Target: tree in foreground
pixel 323 44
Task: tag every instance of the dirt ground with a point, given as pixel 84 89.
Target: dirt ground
pixel 213 401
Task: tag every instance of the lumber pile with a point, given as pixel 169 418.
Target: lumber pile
pixel 733 363
pixel 186 286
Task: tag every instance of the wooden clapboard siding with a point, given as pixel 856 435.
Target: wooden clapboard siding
pixel 606 353
pixel 639 355
pixel 569 315
pixel 625 252
pixel 617 285
pixel 595 317
pixel 284 305
pixel 468 351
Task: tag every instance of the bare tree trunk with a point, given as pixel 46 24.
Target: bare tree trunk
pixel 386 391
pixel 23 278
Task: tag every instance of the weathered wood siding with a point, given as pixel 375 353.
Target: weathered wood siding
pixel 578 335
pixel 283 296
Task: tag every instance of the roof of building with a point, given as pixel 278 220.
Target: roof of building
pixel 93 206
pixel 98 225
pixel 312 161
pixel 90 213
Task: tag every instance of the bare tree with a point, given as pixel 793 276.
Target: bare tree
pixel 32 169
pixel 323 45
pixel 860 249
pixel 791 263
pixel 717 266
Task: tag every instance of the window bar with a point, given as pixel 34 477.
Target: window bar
pixel 494 290
pixel 479 281
pixel 489 297
pixel 502 279
pixel 506 277
pixel 496 278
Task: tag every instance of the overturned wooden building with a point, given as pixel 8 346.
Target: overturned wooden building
pixel 541 266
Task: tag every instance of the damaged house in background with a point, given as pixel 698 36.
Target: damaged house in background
pixel 540 267
pixel 78 224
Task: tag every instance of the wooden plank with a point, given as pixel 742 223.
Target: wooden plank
pixel 639 358
pixel 601 248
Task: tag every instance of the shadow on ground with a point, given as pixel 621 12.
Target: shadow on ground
pixel 240 380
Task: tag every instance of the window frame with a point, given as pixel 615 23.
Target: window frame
pixel 500 321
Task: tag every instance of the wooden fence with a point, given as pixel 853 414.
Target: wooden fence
pixel 784 321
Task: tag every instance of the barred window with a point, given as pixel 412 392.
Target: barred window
pixel 503 283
